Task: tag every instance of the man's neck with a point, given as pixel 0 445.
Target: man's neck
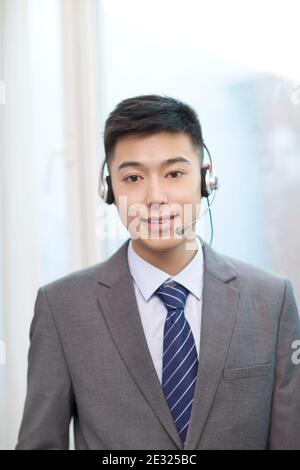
pixel 170 261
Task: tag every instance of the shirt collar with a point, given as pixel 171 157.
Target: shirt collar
pixel 149 278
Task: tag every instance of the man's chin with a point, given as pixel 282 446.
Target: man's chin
pixel 160 243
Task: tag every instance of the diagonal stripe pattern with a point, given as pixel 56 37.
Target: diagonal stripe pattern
pixel 180 359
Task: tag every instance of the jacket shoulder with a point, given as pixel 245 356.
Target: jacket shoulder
pixel 258 281
pixel 76 281
pixel 253 271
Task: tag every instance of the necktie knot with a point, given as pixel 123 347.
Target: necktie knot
pixel 173 295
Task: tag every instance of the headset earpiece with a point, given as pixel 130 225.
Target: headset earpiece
pixel 209 182
pixel 110 194
pixel 204 192
pixel 105 187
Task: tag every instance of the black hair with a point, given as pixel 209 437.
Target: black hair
pixel 145 115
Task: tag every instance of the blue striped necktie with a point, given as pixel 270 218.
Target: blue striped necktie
pixel 180 359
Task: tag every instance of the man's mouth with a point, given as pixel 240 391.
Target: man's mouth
pixel 160 223
pixel 159 220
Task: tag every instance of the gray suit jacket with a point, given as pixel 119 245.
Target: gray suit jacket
pixel 89 359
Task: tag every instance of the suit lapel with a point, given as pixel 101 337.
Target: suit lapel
pixel 219 307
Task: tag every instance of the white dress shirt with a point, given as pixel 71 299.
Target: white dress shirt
pixel 146 279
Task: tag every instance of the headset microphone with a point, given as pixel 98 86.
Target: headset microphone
pixel 180 230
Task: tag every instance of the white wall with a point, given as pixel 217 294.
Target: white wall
pixel 2 365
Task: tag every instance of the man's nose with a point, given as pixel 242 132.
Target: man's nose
pixel 156 193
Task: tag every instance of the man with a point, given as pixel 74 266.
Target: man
pixel 167 344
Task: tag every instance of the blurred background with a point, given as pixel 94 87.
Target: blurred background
pixel 64 65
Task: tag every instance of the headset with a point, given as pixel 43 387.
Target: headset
pixel 209 184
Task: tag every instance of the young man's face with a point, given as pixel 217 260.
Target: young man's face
pixel 151 187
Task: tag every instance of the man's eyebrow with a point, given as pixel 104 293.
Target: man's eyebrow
pixel 169 161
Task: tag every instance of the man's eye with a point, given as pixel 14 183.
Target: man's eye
pixel 131 176
pixel 176 171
